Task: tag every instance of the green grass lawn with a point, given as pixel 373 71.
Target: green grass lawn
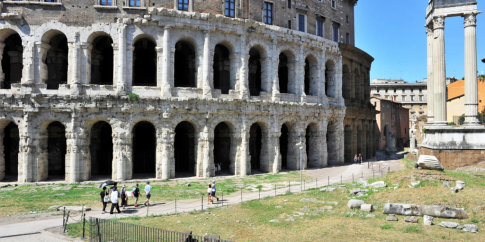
pixel 37 198
pixel 316 221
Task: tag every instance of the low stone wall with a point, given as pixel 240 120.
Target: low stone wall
pixel 452 159
pixel 412 157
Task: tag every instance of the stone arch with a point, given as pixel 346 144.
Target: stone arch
pixel 9 150
pixel 311 76
pixel 144 61
pixel 185 149
pixel 56 151
pixel 224 148
pixel 255 69
pixel 222 69
pixel 313 141
pixel 287 72
pixel 6 32
pixel 56 58
pixel 101 150
pixel 346 82
pixel 289 152
pixel 332 143
pixel 258 147
pixel 348 156
pixel 330 79
pixel 102 61
pixel 144 144
pixel 357 84
pixel 185 69
pixel 11 58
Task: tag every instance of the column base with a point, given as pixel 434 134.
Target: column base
pixel 440 123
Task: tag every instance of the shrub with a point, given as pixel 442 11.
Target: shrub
pixel 132 97
pixel 475 221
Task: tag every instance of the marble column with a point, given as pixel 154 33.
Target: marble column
pixel 166 54
pixel 439 71
pixel 122 168
pixel 206 64
pixel 430 82
pixel 471 85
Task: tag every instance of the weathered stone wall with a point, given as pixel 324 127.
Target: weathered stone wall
pixel 452 159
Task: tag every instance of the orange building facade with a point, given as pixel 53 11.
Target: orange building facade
pixel 456 99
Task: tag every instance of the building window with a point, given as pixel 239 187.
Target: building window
pixel 289 4
pixel 319 28
pixel 421 107
pixel 386 97
pixel 347 19
pixel 347 38
pixel 289 24
pixel 136 3
pixel 386 90
pixel 412 90
pixel 403 98
pixel 183 5
pixel 336 30
pixel 421 98
pixel 105 2
pixel 334 4
pixel 301 22
pixel 412 98
pixel 383 115
pixel 229 8
pixel 394 90
pixel 412 106
pixel 268 13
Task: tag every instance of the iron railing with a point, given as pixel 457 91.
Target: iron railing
pixel 101 230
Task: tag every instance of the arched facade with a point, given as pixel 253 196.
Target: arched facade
pixel 169 100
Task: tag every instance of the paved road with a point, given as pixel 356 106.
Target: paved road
pixel 332 175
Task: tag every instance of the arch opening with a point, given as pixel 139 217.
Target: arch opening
pixel 255 146
pixel 307 78
pixel 284 147
pixel 57 61
pixel 101 149
pixel 332 144
pixel 12 61
pixel 283 73
pixel 185 156
pixel 312 141
pixel 254 67
pixel 144 149
pixel 11 151
pixel 222 149
pixel 349 157
pixel 222 69
pixel 56 150
pixel 144 63
pixel 346 85
pixel 184 69
pixel 357 84
pixel 102 61
pixel 330 79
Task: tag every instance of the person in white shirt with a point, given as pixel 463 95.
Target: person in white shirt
pixel 213 194
pixel 114 201
pixel 209 193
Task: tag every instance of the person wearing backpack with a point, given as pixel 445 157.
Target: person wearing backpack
pixel 104 199
pixel 136 194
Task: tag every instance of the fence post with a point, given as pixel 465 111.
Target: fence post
pixel 67 220
pixel 222 198
pixel 341 179
pixel 275 190
pixel 260 194
pixel 147 209
pixel 352 177
pixel 289 188
pixel 202 203
pixel 328 181
pixel 388 169
pixel 99 232
pixel 373 174
pixel 64 217
pixel 241 196
pixel 175 205
pixel 84 227
pixel 316 182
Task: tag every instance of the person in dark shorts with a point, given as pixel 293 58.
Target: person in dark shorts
pixel 213 194
pixel 136 195
pixel 114 200
pixel 148 192
pixel 104 199
pixel 209 195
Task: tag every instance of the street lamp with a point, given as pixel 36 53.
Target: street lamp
pixel 300 146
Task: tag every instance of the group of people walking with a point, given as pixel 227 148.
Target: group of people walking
pixel 211 192
pixel 114 196
pixel 358 159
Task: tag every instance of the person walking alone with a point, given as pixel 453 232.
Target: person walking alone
pixel 213 194
pixel 124 198
pixel 114 201
pixel 148 190
pixel 104 199
pixel 136 194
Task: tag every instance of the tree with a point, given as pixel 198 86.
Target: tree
pixel 461 120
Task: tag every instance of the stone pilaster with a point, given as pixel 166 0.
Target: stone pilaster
pixel 122 153
pixel 243 69
pixel 76 146
pixel 471 85
pixel 242 156
pixel 205 162
pixel 300 73
pixel 165 64
pixel 28 61
pixel 27 152
pixel 340 140
pixel 273 71
pixel 2 154
pixel 206 64
pixel 85 58
pixel 121 86
pixel 2 73
pixel 40 67
pixel 430 82
pixel 165 154
pixel 439 71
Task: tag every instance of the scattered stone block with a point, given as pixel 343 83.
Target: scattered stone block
pixel 356 191
pixel 392 217
pixel 310 200
pixel 370 216
pixel 446 184
pixel 342 187
pixel 455 190
pixel 76 208
pixel 450 225
pixel 429 162
pixel 305 210
pixel 378 184
pixel 332 203
pixel 8 189
pixel 416 183
pixel 411 219
pixel 327 208
pixel 470 228
pixel 428 220
pixel 55 207
pixel 279 207
pixel 354 203
pixel 460 184
pixel 367 208
pixel 274 221
pixel 327 189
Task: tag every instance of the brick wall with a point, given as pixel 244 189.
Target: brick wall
pixel 452 159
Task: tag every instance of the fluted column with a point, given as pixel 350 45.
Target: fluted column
pixel 471 85
pixel 430 82
pixel 439 71
pixel 206 87
pixel 165 82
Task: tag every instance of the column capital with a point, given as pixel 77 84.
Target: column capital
pixel 438 22
pixel 429 30
pixel 471 19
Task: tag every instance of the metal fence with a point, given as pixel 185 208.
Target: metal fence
pixel 101 230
